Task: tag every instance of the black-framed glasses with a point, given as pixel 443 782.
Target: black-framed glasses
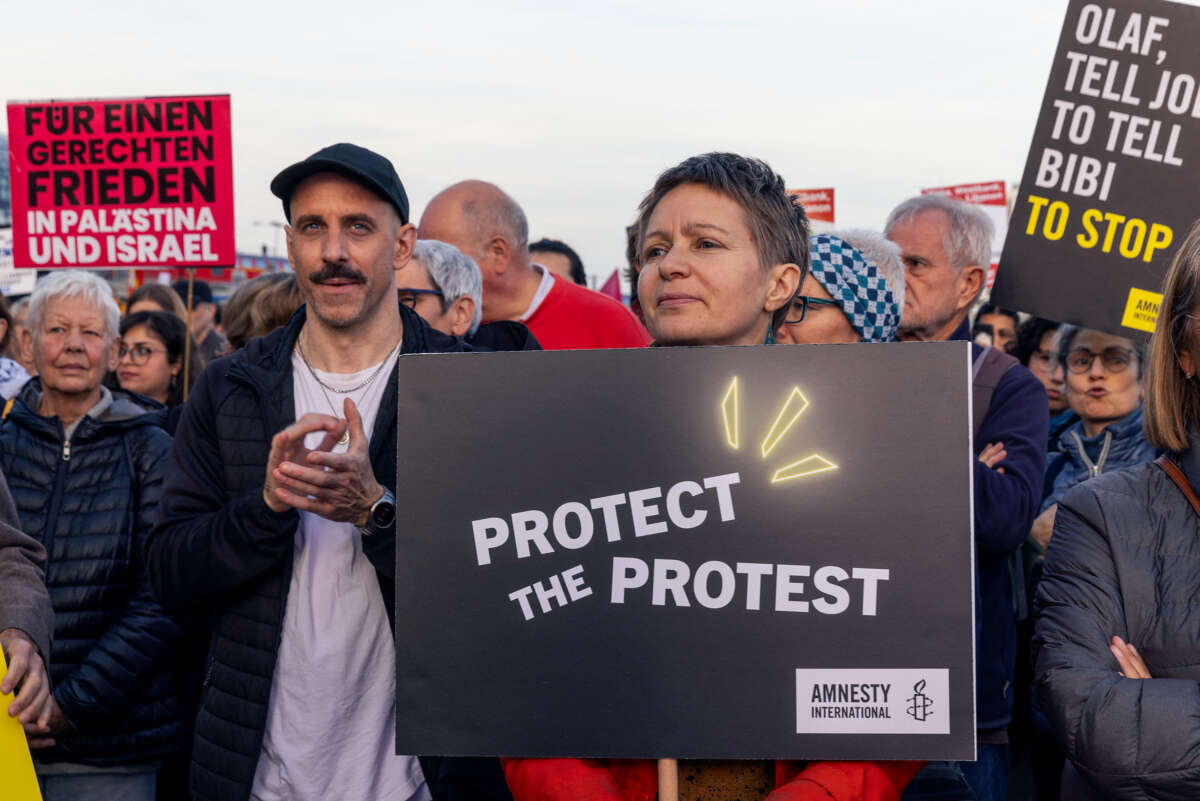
pixel 804 301
pixel 139 354
pixel 409 296
pixel 1114 359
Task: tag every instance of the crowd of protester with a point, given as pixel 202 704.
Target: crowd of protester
pixel 197 530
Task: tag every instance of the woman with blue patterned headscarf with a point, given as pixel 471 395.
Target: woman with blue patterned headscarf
pixel 854 291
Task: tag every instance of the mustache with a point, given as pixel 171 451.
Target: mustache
pixel 333 272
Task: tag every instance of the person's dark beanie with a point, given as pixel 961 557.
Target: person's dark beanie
pixel 201 291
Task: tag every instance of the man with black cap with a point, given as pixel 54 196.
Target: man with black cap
pixel 203 318
pixel 276 519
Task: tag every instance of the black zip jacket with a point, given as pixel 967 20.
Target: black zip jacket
pixel 219 553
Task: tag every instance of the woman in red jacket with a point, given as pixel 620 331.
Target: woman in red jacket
pixel 723 249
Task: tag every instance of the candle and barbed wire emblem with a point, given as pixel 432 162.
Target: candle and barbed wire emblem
pixel 920 705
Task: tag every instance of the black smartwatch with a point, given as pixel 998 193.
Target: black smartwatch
pixel 381 515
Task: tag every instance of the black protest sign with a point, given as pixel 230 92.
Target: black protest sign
pixel 693 552
pixel 1108 192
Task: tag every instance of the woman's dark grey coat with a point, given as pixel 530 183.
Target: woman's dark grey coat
pixel 1124 560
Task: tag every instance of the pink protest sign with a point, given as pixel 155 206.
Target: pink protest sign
pixel 122 183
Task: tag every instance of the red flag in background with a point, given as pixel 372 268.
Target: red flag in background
pixel 612 287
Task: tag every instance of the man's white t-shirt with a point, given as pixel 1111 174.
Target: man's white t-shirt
pixel 331 717
pixel 544 286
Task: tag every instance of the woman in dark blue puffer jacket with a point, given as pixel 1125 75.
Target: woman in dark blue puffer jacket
pixel 85 466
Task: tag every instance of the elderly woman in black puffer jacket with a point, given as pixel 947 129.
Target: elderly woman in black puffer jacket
pixel 1117 643
pixel 85 466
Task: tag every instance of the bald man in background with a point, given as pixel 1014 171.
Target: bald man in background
pixel 486 224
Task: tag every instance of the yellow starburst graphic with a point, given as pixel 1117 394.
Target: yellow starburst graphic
pixel 789 414
pixel 808 466
pixel 792 408
pixel 729 413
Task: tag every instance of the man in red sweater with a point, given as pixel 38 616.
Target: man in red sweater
pixel 485 223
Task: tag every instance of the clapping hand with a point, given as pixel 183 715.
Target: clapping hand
pixel 337 486
pixel 287 447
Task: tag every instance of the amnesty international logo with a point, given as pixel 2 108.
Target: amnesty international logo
pixel 789 413
pixel 920 705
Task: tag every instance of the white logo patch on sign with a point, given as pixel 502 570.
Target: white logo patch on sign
pixel 873 701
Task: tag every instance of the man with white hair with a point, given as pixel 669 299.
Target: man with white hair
pixel 485 223
pixel 442 285
pixel 946 250
pixel 945 246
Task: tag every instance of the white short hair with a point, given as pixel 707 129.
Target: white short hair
pixel 454 273
pixel 968 239
pixel 882 252
pixel 75 284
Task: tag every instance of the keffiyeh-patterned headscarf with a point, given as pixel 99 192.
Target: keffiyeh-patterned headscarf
pixel 858 284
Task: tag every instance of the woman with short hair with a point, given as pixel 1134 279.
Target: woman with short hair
pixel 722 249
pixel 1116 647
pixel 85 467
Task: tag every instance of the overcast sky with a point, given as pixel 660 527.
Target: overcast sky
pixel 574 110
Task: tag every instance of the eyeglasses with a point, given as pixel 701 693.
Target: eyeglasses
pixel 804 301
pixel 1114 359
pixel 139 354
pixel 409 296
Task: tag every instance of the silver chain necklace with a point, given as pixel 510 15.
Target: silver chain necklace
pixel 345 438
pixel 363 385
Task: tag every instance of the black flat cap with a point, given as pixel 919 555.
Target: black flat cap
pixel 360 165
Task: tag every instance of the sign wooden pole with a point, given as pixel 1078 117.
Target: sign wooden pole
pixel 668 780
pixel 187 340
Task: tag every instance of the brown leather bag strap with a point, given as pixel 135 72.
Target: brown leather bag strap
pixel 1175 474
